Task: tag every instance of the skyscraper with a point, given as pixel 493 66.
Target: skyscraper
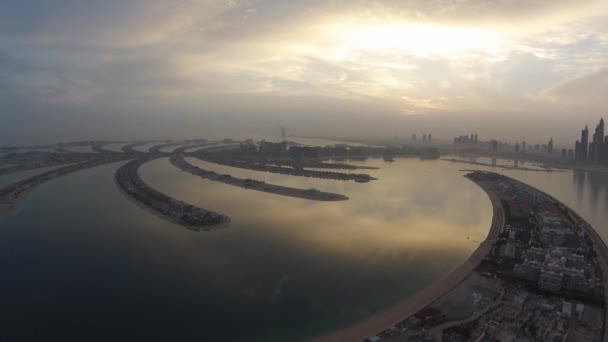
pixel 583 145
pixel 597 148
pixel 550 146
pixel 606 149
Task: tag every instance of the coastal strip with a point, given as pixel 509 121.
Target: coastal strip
pixel 598 244
pixel 502 166
pixel 408 307
pixel 187 215
pixel 11 196
pixel 323 165
pixel 30 166
pixel 99 148
pixel 358 177
pixel 180 162
pixel 183 149
pixel 131 148
pixel 156 149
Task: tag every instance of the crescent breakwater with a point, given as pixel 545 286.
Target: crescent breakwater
pixel 311 194
pixel 188 215
pixel 521 283
pixel 408 307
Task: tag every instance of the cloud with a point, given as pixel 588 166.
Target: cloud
pixel 587 90
pixel 429 57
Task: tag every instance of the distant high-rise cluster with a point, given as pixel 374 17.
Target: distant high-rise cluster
pixel 425 138
pixel 595 151
pixel 465 139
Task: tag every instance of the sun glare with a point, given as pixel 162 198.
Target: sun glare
pixel 417 39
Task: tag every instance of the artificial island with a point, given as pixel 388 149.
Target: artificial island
pixel 540 275
pixel 286 158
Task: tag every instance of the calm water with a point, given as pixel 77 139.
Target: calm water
pixel 116 147
pixel 81 260
pixel 19 176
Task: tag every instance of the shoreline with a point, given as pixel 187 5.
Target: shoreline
pixel 250 184
pixel 502 166
pixel 425 297
pixel 12 206
pixel 598 244
pixel 340 176
pixel 223 222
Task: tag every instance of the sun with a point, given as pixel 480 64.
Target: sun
pixel 422 40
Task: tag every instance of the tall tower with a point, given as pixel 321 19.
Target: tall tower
pixel 598 142
pixel 606 149
pixel 550 146
pixel 595 147
pixel 584 143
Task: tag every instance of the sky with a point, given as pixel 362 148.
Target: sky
pixel 138 69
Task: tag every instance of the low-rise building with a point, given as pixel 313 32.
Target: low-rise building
pixel 507 250
pixel 557 269
pixel 553 236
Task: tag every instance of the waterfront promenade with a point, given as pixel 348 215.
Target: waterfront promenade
pixel 408 307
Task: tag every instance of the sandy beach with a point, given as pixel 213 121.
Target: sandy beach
pixel 408 307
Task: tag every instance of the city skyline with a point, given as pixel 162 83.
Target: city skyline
pixel 595 151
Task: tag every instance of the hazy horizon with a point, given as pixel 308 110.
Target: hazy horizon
pixel 119 70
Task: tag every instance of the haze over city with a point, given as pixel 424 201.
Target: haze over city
pixel 510 70
pixel 326 171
